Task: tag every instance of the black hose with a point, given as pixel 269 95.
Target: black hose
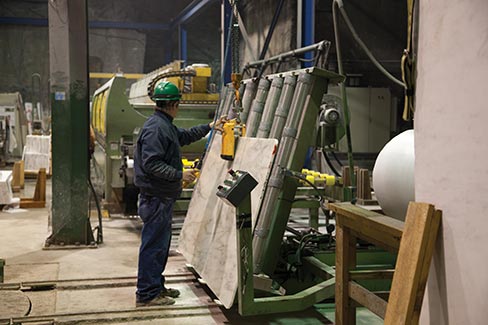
pixel 97 203
pixel 329 163
pixel 336 159
pixel 321 198
pixel 271 29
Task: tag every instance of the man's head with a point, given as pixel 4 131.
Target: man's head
pixel 167 97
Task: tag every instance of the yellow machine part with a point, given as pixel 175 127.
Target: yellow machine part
pixel 99 112
pixel 315 177
pixel 228 140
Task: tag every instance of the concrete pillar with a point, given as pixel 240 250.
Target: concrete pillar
pixel 68 55
pixel 451 151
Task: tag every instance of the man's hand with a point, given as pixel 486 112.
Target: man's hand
pixel 189 175
pixel 218 124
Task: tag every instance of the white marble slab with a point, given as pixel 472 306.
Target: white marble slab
pixel 37 153
pixel 208 236
pixel 6 195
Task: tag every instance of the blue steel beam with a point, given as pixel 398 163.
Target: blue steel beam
pixel 190 10
pixel 225 55
pixel 308 29
pixel 183 45
pixel 91 24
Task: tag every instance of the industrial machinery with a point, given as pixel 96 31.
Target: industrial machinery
pixel 284 262
pixel 116 119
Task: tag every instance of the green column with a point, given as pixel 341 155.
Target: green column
pixel 68 54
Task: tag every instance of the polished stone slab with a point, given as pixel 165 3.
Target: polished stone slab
pixel 208 236
pixel 37 153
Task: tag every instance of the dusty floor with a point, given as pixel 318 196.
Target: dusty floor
pixel 97 285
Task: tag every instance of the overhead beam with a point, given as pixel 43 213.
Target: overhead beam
pixel 91 24
pixel 189 12
pixel 308 30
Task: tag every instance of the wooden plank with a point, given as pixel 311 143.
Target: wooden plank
pixel 391 244
pixel 412 261
pixel 18 176
pixel 367 299
pixel 368 223
pixel 371 274
pixel 40 191
pixel 39 199
pixel 364 185
pixel 30 204
pixel 345 261
pixel 424 273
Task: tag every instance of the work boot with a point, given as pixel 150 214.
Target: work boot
pixel 168 292
pixel 158 301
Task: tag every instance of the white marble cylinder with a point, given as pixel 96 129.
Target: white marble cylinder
pixel 393 175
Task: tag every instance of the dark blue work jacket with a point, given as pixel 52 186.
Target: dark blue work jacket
pixel 157 157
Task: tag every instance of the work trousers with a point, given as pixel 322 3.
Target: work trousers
pixel 156 213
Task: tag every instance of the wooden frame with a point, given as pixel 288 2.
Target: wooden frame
pixel 413 240
pixel 39 199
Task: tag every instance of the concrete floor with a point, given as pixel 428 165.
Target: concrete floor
pixel 97 285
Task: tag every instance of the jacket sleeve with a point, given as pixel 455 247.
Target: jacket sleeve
pixel 154 146
pixel 187 136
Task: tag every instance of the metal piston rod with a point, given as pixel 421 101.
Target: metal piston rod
pixel 296 138
pixel 257 108
pixel 270 107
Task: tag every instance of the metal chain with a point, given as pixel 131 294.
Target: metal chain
pixel 235 37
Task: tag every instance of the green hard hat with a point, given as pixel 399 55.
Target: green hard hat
pixel 166 91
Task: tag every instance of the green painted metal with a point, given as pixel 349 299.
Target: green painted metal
pixel 122 119
pixel 249 94
pixel 363 315
pixel 257 107
pixel 69 97
pixel 297 136
pixel 283 107
pixel 248 305
pixel 272 101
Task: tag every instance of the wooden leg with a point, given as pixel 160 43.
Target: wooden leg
pixel 414 255
pixel 39 199
pixel 17 174
pixel 345 261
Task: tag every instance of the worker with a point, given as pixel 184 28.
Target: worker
pixel 159 175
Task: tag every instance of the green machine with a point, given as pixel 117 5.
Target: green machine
pixel 117 117
pixel 286 261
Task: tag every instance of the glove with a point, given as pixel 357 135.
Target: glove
pixel 218 124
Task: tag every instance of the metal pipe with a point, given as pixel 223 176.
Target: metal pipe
pixel 271 29
pixel 227 108
pixel 257 108
pixel 275 183
pixel 270 107
pixel 345 107
pixel 247 98
pixel 283 108
pixel 317 46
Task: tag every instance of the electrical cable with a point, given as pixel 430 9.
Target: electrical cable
pixel 329 163
pixel 99 210
pixel 321 198
pixel 370 55
pixel 336 159
pixel 345 107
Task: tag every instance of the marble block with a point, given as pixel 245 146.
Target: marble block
pixel 208 237
pixel 37 153
pixel 6 195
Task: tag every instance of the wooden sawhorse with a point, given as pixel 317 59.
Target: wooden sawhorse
pixel 414 241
